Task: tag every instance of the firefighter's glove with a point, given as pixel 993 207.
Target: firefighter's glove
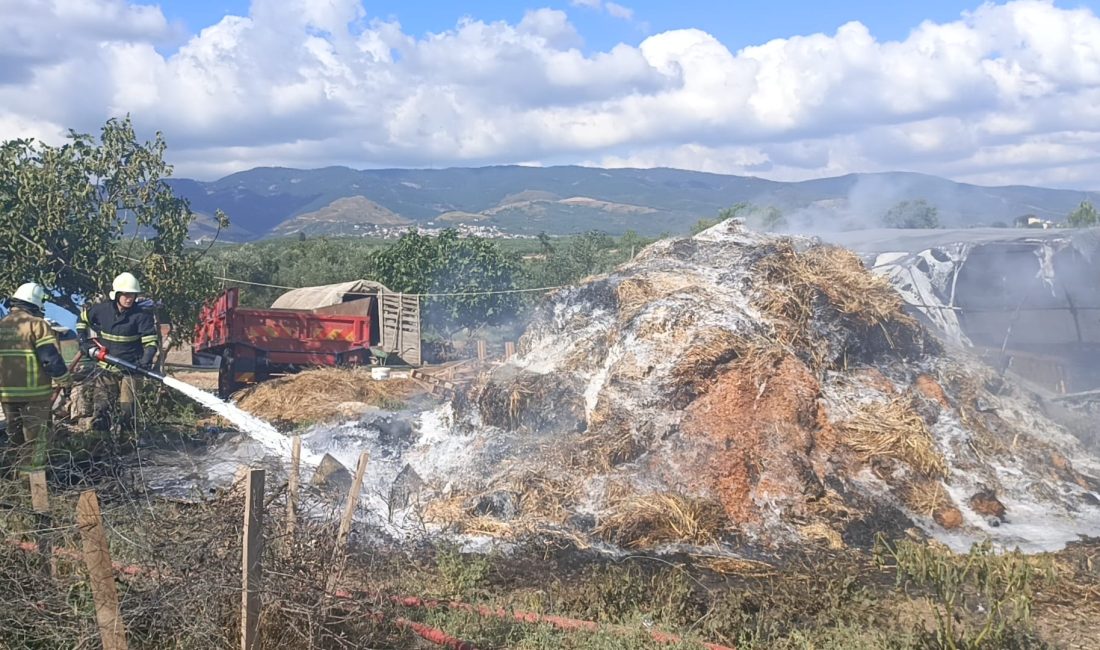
pixel 64 381
pixel 146 362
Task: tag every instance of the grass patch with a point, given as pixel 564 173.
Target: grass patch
pixel 906 595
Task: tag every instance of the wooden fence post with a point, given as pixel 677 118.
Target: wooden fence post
pixel 292 488
pixel 112 630
pixel 509 350
pixel 40 503
pixel 345 524
pixel 353 501
pixel 251 555
pixel 481 350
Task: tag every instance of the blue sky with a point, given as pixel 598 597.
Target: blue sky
pixel 994 93
pixel 734 23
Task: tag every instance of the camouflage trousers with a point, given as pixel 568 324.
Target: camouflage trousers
pixel 114 401
pixel 28 434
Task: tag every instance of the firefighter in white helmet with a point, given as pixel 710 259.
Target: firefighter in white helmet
pixel 124 330
pixel 29 358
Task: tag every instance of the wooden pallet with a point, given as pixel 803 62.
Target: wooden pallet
pixel 435 385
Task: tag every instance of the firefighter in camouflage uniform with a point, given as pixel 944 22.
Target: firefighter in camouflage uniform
pixel 30 363
pixel 128 332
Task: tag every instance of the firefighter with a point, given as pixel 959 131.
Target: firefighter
pixel 28 346
pixel 124 330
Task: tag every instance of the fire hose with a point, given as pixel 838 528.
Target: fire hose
pixel 101 355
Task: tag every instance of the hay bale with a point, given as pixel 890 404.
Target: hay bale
pixel 642 521
pixel 830 308
pixel 757 425
pixel 313 396
pixel 634 293
pixel 514 399
pixel 894 430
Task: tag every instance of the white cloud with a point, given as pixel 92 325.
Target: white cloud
pixel 613 9
pixel 1006 93
pixel 618 11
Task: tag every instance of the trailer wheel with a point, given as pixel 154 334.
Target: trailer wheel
pixel 227 380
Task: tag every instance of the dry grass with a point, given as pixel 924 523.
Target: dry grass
pixel 800 284
pixel 312 395
pixel 612 444
pixel 635 293
pixel 832 507
pixel 546 497
pixel 926 497
pixel 735 566
pixel 543 502
pixel 822 532
pixel 837 274
pixel 894 430
pixel 642 521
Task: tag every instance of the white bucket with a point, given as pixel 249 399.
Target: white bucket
pixel 380 373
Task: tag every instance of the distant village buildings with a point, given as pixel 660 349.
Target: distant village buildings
pixel 1032 221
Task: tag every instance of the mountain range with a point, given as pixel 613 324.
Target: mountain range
pixel 274 201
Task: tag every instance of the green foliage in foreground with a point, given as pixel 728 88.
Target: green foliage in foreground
pixel 74 216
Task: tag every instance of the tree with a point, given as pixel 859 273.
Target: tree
pixel 1083 216
pixel 758 217
pixel 769 218
pixel 912 214
pixel 74 216
pixel 631 242
pixel 733 212
pixel 576 257
pixel 703 224
pixel 469 268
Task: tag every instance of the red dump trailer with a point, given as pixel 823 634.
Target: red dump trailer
pixel 359 326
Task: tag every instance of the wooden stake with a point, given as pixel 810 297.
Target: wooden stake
pixel 251 555
pixel 509 350
pixel 97 556
pixel 40 497
pixel 40 502
pixel 353 501
pixel 340 552
pixel 292 488
pixel 43 520
pixel 481 351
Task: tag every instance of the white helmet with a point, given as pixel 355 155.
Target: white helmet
pixel 32 293
pixel 125 283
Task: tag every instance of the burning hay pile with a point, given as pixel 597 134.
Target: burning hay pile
pixel 736 385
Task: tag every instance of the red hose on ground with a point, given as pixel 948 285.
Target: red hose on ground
pixel 76 556
pixel 433 634
pixel 560 622
pixel 427 632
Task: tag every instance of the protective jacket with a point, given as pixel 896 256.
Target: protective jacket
pixel 130 335
pixel 28 346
